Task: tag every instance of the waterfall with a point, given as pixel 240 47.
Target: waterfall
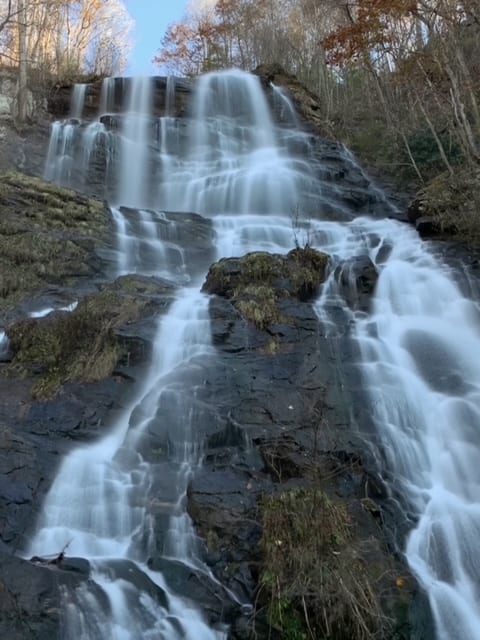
pixel 284 107
pixel 134 144
pixel 59 165
pixel 421 376
pixel 78 100
pixel 170 97
pixel 422 341
pixel 263 187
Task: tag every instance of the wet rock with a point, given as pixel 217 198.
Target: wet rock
pixel 34 437
pixel 60 96
pixel 259 285
pixel 199 587
pixel 187 239
pixel 305 101
pixel 426 226
pixel 30 598
pixel 20 480
pixel 357 279
pixel 284 425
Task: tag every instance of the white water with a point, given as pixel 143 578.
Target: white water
pixel 59 165
pixel 134 147
pixel 421 372
pixel 3 343
pixel 284 107
pixel 45 311
pixel 419 349
pixel 423 343
pixel 78 100
pixel 170 97
pixel 99 502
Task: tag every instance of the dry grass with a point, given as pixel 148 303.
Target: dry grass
pixel 313 583
pixel 70 346
pixel 453 203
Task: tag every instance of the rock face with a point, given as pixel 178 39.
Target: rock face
pixel 448 206
pixel 49 238
pixel 305 101
pixel 60 96
pixel 287 482
pixel 356 279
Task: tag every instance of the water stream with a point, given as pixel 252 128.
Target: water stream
pixel 264 187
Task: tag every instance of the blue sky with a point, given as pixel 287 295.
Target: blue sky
pixel 152 18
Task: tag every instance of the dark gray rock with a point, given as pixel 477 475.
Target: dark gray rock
pixel 31 597
pixel 357 279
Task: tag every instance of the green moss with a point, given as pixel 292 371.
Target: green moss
pixel 273 346
pixel 257 304
pixel 307 269
pixel 258 267
pixel 76 346
pixel 313 580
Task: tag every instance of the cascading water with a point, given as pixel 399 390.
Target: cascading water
pixel 258 184
pixel 78 100
pixel 422 342
pixel 132 191
pixel 421 375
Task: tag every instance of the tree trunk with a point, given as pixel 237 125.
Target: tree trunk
pixel 22 95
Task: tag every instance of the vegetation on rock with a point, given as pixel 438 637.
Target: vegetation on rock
pixel 316 580
pixel 257 283
pixel 451 203
pixel 47 236
pixel 83 345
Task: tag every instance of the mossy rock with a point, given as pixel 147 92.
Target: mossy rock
pixel 257 282
pixel 83 345
pixel 48 236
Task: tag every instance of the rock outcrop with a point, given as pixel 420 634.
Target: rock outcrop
pixel 49 238
pixel 287 489
pixel 448 206
pixel 305 101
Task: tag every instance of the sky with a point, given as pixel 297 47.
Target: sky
pixel 152 18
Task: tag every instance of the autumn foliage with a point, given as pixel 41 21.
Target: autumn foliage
pixel 372 26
